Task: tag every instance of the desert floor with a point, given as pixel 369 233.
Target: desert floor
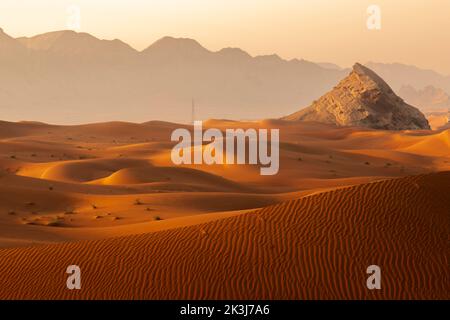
pixel 108 198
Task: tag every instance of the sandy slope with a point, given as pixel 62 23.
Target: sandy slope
pixel 438 120
pixel 64 183
pixel 318 246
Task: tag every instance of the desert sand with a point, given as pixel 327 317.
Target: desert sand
pixel 439 120
pixel 315 247
pixel 107 197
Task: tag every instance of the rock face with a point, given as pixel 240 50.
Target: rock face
pixel 363 99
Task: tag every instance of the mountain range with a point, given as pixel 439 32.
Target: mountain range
pixel 70 77
pixel 429 99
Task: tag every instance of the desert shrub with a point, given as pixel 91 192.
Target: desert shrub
pixel 53 223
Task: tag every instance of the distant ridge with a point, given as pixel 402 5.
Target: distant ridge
pixel 73 43
pixel 398 75
pixel 69 77
pixel 427 99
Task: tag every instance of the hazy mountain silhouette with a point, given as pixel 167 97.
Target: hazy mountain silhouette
pixel 70 77
pixel 398 75
pixel 9 46
pixel 69 42
pixel 66 77
pixel 428 99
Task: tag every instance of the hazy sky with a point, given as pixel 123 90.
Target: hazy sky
pixel 412 31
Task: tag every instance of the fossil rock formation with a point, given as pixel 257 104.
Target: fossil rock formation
pixel 363 99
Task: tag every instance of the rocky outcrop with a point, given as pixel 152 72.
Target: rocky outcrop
pixel 363 99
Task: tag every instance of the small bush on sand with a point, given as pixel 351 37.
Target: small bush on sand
pixel 53 223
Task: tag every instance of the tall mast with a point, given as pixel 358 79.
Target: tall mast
pixel 193 111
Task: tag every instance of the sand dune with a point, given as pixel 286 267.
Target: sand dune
pixel 435 145
pixel 438 120
pixel 106 196
pixel 105 178
pixel 318 246
pixel 78 171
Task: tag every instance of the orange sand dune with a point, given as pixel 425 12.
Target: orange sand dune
pixel 316 247
pixel 65 183
pixel 435 145
pixel 78 170
pixel 438 120
pixel 35 213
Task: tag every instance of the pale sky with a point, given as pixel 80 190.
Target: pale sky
pixel 412 31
